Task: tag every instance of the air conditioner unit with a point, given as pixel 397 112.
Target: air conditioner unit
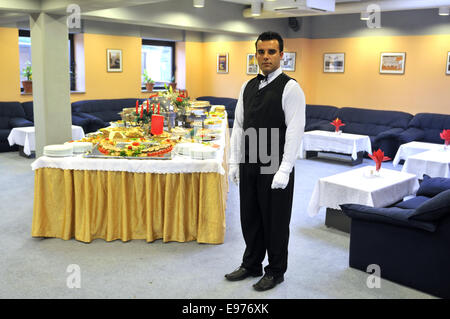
pixel 300 6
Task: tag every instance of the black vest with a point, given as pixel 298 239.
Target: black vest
pixel 263 111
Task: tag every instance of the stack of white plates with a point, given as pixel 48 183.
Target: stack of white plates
pixel 80 147
pixel 58 150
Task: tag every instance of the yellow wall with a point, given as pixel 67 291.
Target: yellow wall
pixel 10 70
pixel 423 88
pixel 229 85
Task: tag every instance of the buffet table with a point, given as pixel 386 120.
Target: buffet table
pixel 181 199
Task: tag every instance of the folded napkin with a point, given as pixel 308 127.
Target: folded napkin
pixel 378 157
pixel 445 135
pixel 337 124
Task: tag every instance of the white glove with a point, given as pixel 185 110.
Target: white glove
pixel 234 173
pixel 280 180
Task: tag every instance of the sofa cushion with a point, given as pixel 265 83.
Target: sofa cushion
pixel 11 109
pixel 319 117
pixel 28 109
pixel 19 122
pixel 432 124
pixel 388 215
pixel 434 208
pixel 432 186
pixel 412 203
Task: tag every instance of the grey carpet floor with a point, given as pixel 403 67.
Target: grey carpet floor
pixel 37 268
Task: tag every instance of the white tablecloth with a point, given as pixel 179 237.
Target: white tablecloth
pixel 333 142
pixel 178 164
pixel 358 186
pixel 412 148
pixel 24 136
pixel 435 163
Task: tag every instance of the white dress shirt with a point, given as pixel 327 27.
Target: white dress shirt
pixel 293 104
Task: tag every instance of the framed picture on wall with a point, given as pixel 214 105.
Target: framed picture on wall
pixel 288 61
pixel 447 70
pixel 114 60
pixel 333 62
pixel 393 63
pixel 252 64
pixel 222 63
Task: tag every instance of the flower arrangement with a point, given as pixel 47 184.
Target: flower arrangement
pixel 337 123
pixel 378 157
pixel 445 135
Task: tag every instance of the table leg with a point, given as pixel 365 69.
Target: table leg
pixel 359 159
pixel 335 218
pixel 21 153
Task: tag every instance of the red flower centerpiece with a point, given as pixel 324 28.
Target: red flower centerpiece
pixel 445 135
pixel 337 124
pixel 378 157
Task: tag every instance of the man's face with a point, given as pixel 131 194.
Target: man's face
pixel 268 55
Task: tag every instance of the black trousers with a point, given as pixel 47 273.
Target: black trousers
pixel 265 218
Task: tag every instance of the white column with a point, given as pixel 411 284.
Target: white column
pixel 51 81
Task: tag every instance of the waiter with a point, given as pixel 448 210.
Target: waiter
pixel 271 107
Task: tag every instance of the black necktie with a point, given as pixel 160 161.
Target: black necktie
pixel 262 77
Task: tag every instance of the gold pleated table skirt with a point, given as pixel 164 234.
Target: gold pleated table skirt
pixel 111 205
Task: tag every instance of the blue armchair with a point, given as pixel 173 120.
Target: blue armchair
pixel 11 115
pixel 409 241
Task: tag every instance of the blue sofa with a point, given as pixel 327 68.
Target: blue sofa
pixel 11 115
pixel 87 123
pixel 229 103
pixel 102 111
pixel 425 127
pixel 381 126
pixel 319 117
pixel 409 241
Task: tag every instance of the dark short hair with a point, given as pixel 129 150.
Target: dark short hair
pixel 270 35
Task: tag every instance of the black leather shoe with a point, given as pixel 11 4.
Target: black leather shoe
pixel 268 282
pixel 240 274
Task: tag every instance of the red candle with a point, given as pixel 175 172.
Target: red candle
pixel 142 111
pixel 137 105
pixel 148 105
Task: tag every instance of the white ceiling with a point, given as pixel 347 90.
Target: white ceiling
pixel 217 15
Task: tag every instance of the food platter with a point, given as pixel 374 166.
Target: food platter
pixel 95 153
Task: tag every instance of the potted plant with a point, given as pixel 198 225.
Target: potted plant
pixel 173 84
pixel 27 84
pixel 149 83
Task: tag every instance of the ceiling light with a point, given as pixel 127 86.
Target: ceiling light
pixel 256 8
pixel 199 3
pixel 364 15
pixel 444 11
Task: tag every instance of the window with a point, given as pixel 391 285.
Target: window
pixel 24 53
pixel 25 56
pixel 158 58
